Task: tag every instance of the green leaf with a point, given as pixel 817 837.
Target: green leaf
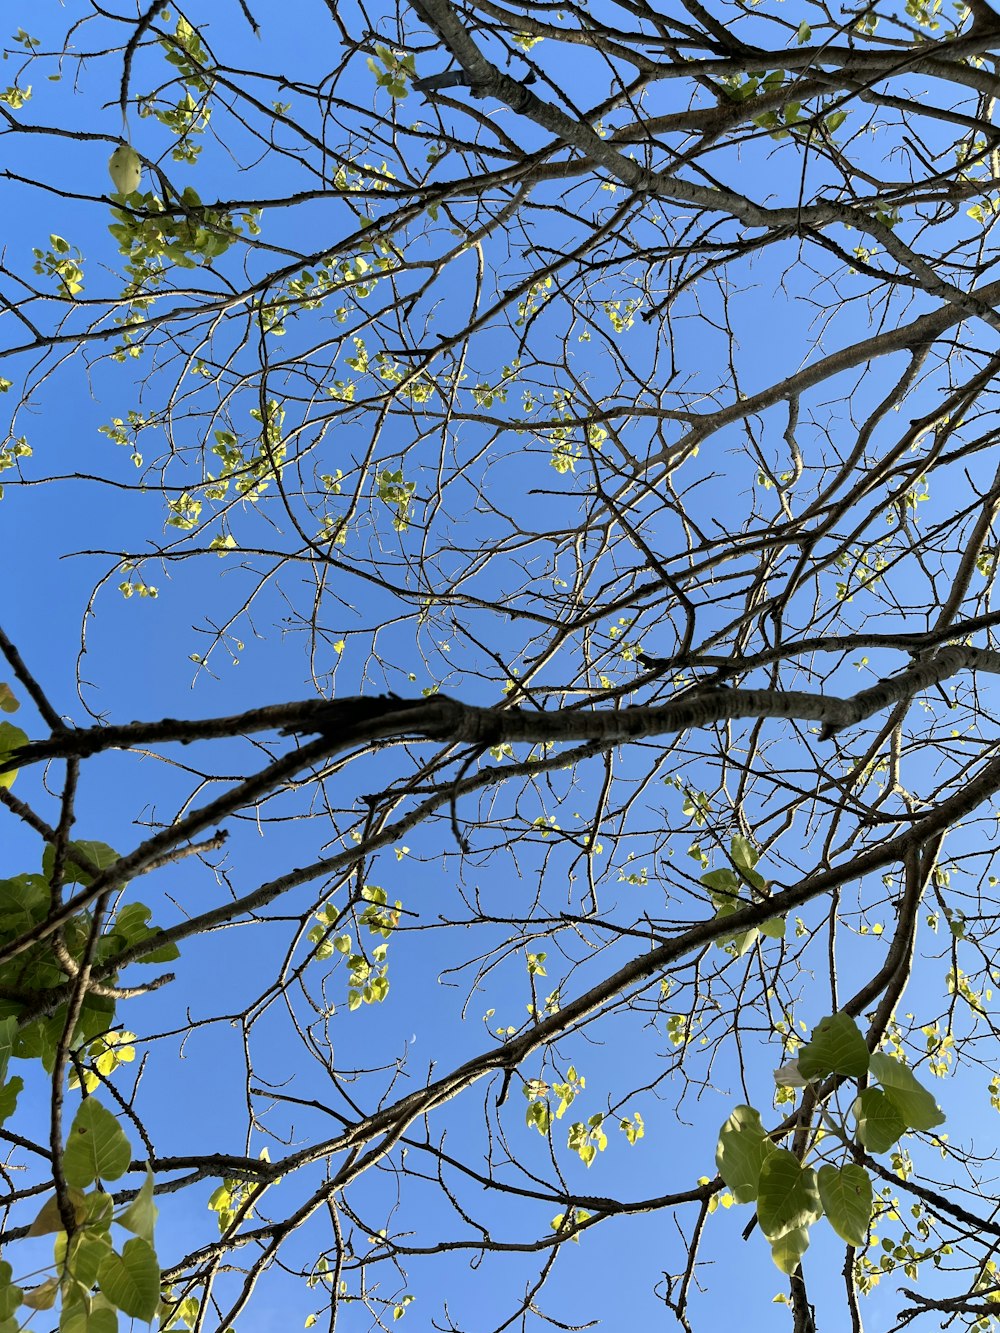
pixel 837 1047
pixel 8 1033
pixel 101 1318
pixel 742 1151
pixel 39 1040
pixel 175 1313
pixel 8 1096
pixel 131 1280
pixel 773 928
pixel 98 852
pixel 745 855
pixel 879 1123
pixel 846 1193
pixel 787 1250
pixel 86 1254
pixel 131 923
pixel 140 1216
pixel 11 738
pixel 96 1146
pixel 23 902
pixel 788 1196
pixel 724 889
pixel 743 943
pixel 912 1101
pixel 97 1015
pixel 98 1210
pixel 162 953
pixel 10 1295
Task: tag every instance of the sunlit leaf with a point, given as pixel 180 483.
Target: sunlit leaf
pixel 742 1151
pixel 96 1147
pixel 131 1280
pixel 788 1197
pixel 140 1216
pixel 846 1194
pixel 879 1123
pixel 913 1103
pixel 837 1047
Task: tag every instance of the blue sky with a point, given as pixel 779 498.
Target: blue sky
pixel 138 664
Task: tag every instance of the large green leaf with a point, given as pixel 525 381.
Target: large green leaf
pixel 787 1197
pixel 745 856
pixel 837 1047
pixel 787 1250
pixel 99 853
pixel 723 886
pixel 87 1253
pixel 131 925
pixel 24 901
pixel 913 1102
pixel 132 921
pixel 140 1216
pixel 96 1146
pixel 846 1193
pixel 40 1040
pixel 742 1150
pixel 879 1123
pixel 100 1318
pixel 98 1209
pixel 131 1280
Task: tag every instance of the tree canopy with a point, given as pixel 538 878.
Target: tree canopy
pixel 500 772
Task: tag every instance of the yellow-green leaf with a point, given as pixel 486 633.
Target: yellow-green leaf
pixel 96 1146
pixel 788 1197
pixel 131 1280
pixel 140 1216
pixel 912 1101
pixel 125 169
pixel 742 1151
pixel 11 739
pixel 846 1193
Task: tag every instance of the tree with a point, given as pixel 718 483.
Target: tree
pixel 586 418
